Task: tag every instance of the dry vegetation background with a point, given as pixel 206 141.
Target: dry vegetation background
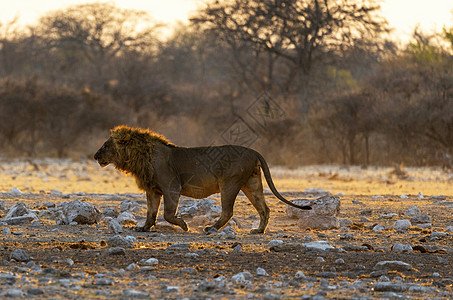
pixel 303 82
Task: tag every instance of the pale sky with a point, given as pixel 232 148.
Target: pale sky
pixel 403 15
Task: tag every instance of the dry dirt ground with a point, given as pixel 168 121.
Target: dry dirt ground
pixel 73 261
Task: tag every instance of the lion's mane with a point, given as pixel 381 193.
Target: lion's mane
pixel 135 148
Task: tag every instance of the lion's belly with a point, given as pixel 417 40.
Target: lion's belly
pixel 199 191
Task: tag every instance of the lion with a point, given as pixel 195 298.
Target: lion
pixel 161 168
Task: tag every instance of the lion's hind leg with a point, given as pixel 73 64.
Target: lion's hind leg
pixel 253 189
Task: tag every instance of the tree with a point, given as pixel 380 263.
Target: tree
pixel 95 33
pixel 291 33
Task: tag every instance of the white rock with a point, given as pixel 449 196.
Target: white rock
pixel 339 261
pixel 119 241
pixel 323 206
pixel 191 255
pixel 134 294
pixel 17 210
pixel 345 223
pixel 449 228
pixel 126 218
pixel 15 192
pixel 318 246
pixel 19 255
pixel 402 225
pixel 299 274
pixel 239 278
pixel 387 216
pixel 80 212
pixel 273 243
pixel 128 205
pixel 151 261
pixel 421 219
pixel 378 228
pixel 322 216
pixel 24 219
pixel 14 293
pixel 261 272
pixel 203 207
pixel 420 195
pixel 6 231
pixel 320 259
pixel 413 211
pixel 115 226
pixel 393 265
pixel 132 267
pixel 402 248
pixel 171 289
pixel 228 233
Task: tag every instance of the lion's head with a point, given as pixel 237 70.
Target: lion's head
pixel 131 151
pixel 107 154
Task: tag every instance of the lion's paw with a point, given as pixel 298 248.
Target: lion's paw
pixel 210 230
pixel 141 229
pixel 256 231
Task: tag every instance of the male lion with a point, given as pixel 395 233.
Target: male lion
pixel 161 168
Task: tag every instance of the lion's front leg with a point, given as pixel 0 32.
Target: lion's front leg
pixel 153 204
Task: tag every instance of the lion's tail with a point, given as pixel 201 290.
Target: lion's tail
pixel 270 183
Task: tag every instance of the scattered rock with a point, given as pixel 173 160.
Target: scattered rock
pixel 120 241
pixel 14 293
pixel 228 233
pixel 129 205
pixel 274 243
pixel 421 219
pixel 203 207
pixel 393 266
pixel 387 216
pixel 322 216
pixel 151 261
pixel 344 223
pixel 389 286
pixel 117 251
pixel 189 271
pixel 413 211
pixel 80 212
pixel 115 227
pixel 437 235
pixel 171 289
pixel 378 228
pixel 17 210
pixel 449 228
pixel 299 275
pixel 20 255
pixel 402 225
pixel 318 246
pixel 191 255
pixel 110 212
pixel 15 192
pixel 402 248
pixel 104 281
pixel 339 261
pixel 134 294
pixel 126 218
pixel 261 272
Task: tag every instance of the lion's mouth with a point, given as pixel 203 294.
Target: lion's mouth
pixel 103 163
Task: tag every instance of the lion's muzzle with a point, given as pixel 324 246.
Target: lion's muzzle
pixel 98 158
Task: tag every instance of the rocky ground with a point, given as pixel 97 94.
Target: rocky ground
pixel 394 241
